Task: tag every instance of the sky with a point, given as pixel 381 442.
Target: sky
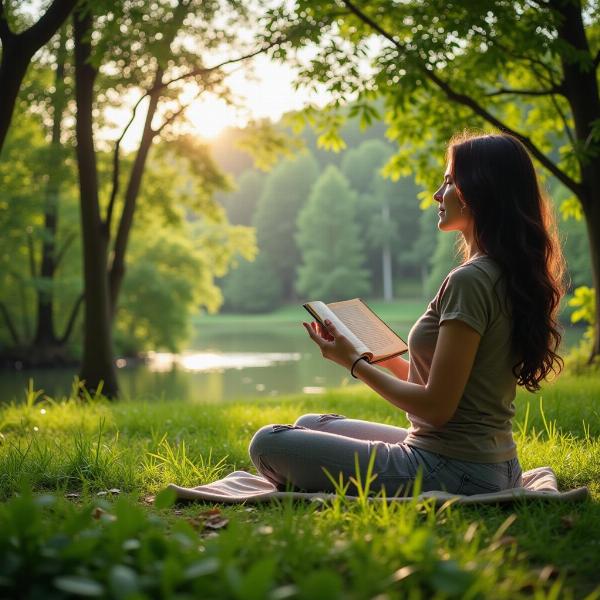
pixel 269 93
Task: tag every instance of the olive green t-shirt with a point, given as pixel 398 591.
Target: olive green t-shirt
pixel 480 429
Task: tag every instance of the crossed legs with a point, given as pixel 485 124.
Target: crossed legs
pixel 297 455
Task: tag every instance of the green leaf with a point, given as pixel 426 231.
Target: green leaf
pixel 80 586
pixel 123 581
pixel 450 579
pixel 202 568
pixel 165 498
pixel 571 209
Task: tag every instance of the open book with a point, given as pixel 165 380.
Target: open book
pixel 357 322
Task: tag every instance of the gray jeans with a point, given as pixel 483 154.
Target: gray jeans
pixel 295 456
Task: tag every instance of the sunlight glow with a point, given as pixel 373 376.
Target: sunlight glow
pixel 211 361
pixel 210 117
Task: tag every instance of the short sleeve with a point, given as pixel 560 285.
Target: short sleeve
pixel 465 296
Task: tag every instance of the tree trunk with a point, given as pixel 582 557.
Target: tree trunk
pixel 45 332
pixel 117 270
pixel 592 219
pixel 97 366
pixel 581 90
pixel 13 67
pixel 386 258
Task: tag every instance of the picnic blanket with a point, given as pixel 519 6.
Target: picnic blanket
pixel 240 486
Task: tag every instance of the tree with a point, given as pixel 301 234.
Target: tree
pixel 31 240
pixel 253 287
pixel 442 261
pixel 387 211
pixel 18 50
pixel 360 164
pixel 285 193
pixel 437 75
pixel 328 237
pixel 46 342
pixel 149 65
pixel 392 225
pixel 423 248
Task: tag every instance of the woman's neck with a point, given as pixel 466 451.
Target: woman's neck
pixel 473 249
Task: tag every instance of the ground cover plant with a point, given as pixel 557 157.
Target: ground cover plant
pixel 76 518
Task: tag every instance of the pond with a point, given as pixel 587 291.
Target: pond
pixel 226 361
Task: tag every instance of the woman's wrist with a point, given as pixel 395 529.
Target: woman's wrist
pixel 355 364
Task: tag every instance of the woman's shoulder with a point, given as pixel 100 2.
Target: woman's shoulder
pixel 482 268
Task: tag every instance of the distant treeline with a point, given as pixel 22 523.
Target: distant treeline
pixel 330 226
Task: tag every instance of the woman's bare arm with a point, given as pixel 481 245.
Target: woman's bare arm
pixel 434 402
pixel 452 363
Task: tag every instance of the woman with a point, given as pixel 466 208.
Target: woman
pixel 491 326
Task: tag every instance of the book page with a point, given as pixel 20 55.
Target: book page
pixel 368 327
pixel 321 311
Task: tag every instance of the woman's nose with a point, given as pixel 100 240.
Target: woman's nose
pixel 437 196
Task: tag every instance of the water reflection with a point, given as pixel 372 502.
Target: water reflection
pixel 213 361
pixel 225 363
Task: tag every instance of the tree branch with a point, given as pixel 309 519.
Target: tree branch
pixel 31 252
pixel 71 322
pixel 60 255
pixel 157 87
pixel 205 70
pixel 9 324
pixel 117 160
pixel 471 103
pixel 171 118
pixel 41 31
pixel 549 92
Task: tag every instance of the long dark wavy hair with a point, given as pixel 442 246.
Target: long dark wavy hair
pixel 515 226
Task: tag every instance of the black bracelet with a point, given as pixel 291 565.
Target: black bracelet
pixel 354 365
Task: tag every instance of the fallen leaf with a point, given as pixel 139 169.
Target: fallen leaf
pixel 216 522
pixel 104 493
pixel 97 512
pixel 114 491
pixel 149 500
pixel 100 513
pixel 73 495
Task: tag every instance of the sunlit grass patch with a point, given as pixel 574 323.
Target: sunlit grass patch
pixel 341 549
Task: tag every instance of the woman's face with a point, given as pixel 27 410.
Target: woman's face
pixel 453 213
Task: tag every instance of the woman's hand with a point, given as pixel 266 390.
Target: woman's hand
pixel 334 346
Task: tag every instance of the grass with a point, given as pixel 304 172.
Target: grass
pixel 119 547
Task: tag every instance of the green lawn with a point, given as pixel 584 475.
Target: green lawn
pixel 408 310
pixel 119 546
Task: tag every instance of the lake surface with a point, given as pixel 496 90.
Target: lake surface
pixel 225 362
